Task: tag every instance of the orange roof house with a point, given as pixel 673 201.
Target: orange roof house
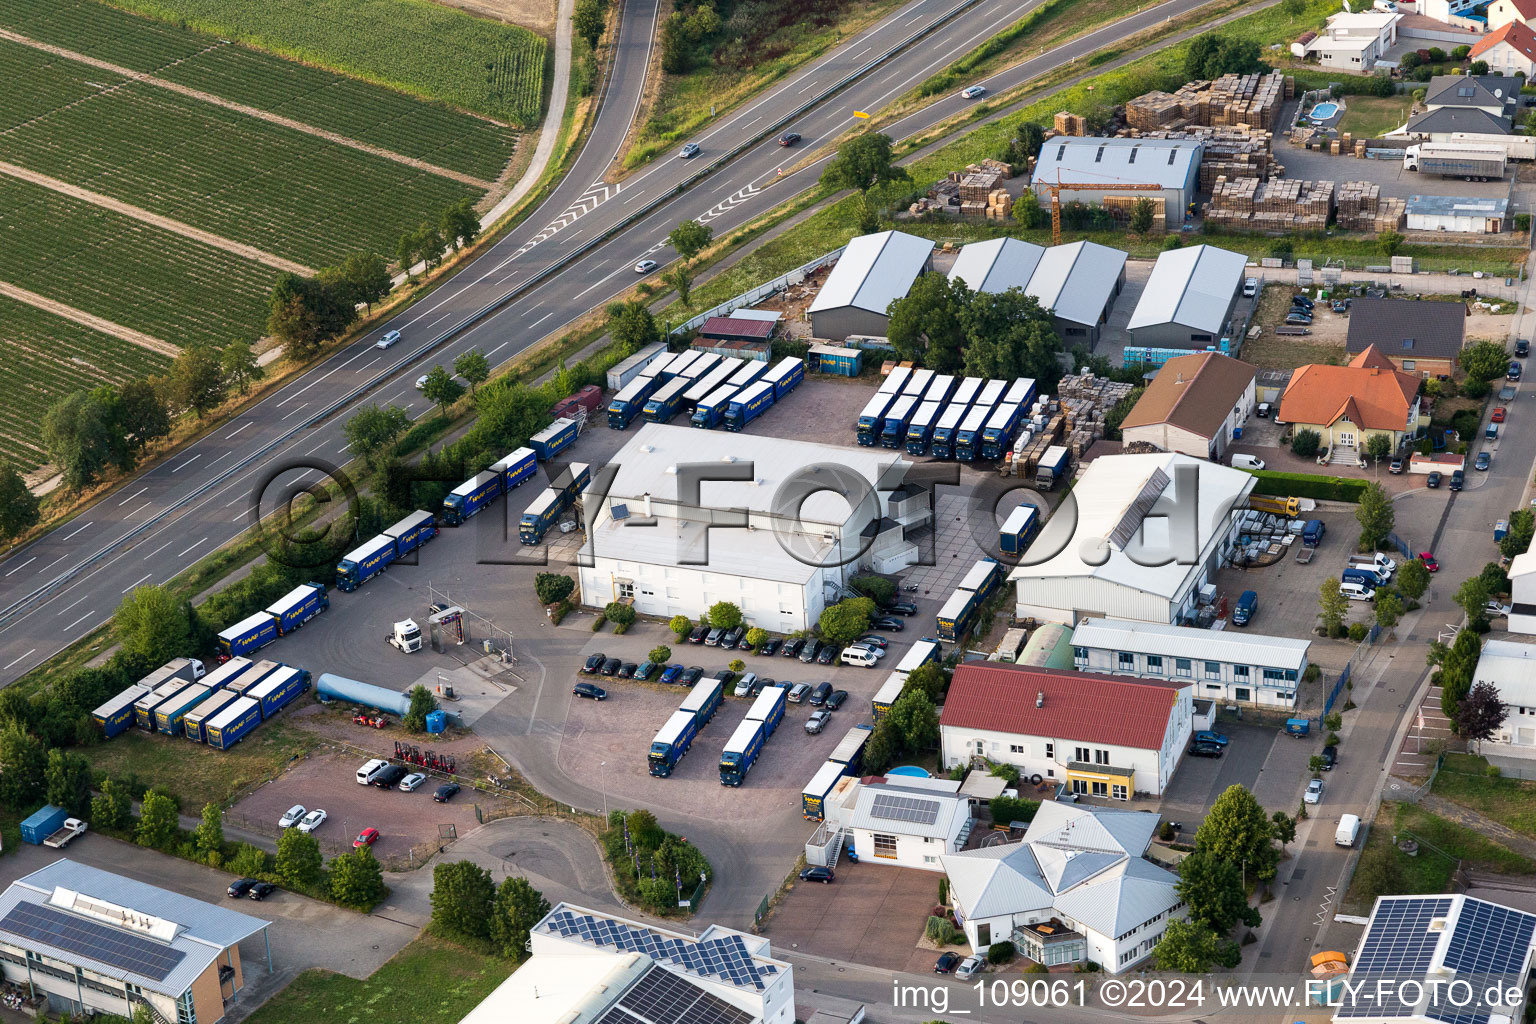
pixel 1346 404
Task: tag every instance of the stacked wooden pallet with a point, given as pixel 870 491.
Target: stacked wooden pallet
pixel 1029 459
pixel 1229 152
pixel 1154 110
pixel 978 185
pixel 1278 205
pixel 1070 124
pixel 1121 208
pixel 1246 99
pixel 1085 400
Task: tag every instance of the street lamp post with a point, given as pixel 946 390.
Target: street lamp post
pixel 604 766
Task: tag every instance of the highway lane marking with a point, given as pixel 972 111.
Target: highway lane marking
pixel 808 85
pixel 242 427
pixel 369 363
pixel 315 449
pixel 82 527
pixel 130 497
pixel 297 409
pixel 498 348
pixel 238 497
pixel 344 448
pixel 240 516
pixel 180 553
pixel 136 582
pixel 153 553
pixel 55 562
pixel 71 604
pixel 546 316
pixel 189 462
pixel 23 565
pixel 754 121
pixel 27 655
pixel 141 508
pixel 224 456
pixel 81 619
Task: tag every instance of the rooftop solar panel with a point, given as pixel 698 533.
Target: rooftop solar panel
pixel 97 941
pixel 904 808
pixel 726 958
pixel 665 998
pixel 1490 939
pixel 1399 940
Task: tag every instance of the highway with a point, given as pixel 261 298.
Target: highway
pixel 543 275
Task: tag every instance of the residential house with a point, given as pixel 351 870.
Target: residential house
pixel 898 820
pixel 1491 93
pixel 1510 48
pixel 1352 42
pixel 1421 337
pixel 1347 404
pixel 1197 405
pixel 1503 12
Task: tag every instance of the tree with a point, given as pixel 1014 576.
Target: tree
pixel 422 705
pixel 1305 443
pixel 141 416
pixel 371 430
pixel 459 226
pixel 1284 828
pixel 551 587
pixel 517 908
pixel 238 366
pixel 1473 595
pixel 1522 529
pixel 915 720
pixel 462 895
pixel 589 20
pixel 676 57
pixel 1186 947
pixel 405 252
pixel 756 637
pixel 474 367
pixel 925 323
pixel 441 389
pixel 304 312
pixel 1333 606
pixel 18 505
pixel 644 829
pixel 68 782
pixel 1484 360
pixel 1388 242
pixel 1389 608
pixel 159 826
pixel 877 588
pixel 1480 712
pixel 930 678
pixel 690 238
pixel 842 622
pixel 1413 579
pixel 111 809
pixel 866 215
pixel 681 280
pixel 23 767
pixel 1213 890
pixel 209 834
pixel 362 279
pixel 679 625
pixel 1212 55
pixel 724 615
pixel 631 325
pixel 659 655
pixel 357 880
pixel 298 863
pixel 1456 669
pixel 1293 9
pixel 862 161
pixel 1027 212
pixel 1237 830
pixel 1007 335
pixel 153 624
pixel 1379 446
pixel 1142 216
pixel 79 434
pixel 883 747
pixel 1375 516
pixel 1026 141
pixel 1477 67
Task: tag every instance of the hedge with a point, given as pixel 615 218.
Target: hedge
pixel 1305 485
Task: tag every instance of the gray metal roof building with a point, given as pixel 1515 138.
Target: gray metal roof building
pixel 873 271
pixel 1102 164
pixel 1189 298
pixel 997 264
pixel 1078 282
pixel 1457 213
pixel 1446 120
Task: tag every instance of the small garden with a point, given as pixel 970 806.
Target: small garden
pixel 652 867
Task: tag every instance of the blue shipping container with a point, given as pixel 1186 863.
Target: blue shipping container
pixel 298 606
pixel 232 724
pixel 43 823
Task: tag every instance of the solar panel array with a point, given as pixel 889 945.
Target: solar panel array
pixel 1399 940
pixel 726 958
pixel 663 998
pixel 904 808
pixel 97 941
pixel 1489 939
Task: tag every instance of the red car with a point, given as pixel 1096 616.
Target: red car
pixel 1429 561
pixel 367 837
pixel 1498 414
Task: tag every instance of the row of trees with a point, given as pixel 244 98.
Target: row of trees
pixel 468 906
pixel 911 726
pixel 457 226
pixel 948 328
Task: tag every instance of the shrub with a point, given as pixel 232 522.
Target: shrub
pixel 1358 631
pixel 659 655
pixel 550 587
pixel 619 614
pixel 1007 809
pixel 1000 952
pixel 941 932
pixel 1305 485
pixel 1522 222
pixel 598 620
pixel 737 666
pixel 1305 443
pixel 680 625
pixel 559 612
pixel 877 587
pixel 1312 674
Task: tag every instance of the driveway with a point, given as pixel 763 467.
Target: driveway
pixel 1198 781
pixel 872 914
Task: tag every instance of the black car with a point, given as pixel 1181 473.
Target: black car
pixel 445 792
pixel 1330 757
pixel 744 644
pixel 792 647
pixel 1301 300
pixel 697 634
pixel 900 608
pixel 817 874
pixel 827 654
pixel 733 636
pixel 611 667
pixel 887 624
pixel 810 650
pixel 1205 750
pixel 241 887
pixel 760 684
pixel 692 675
pixel 789 138
pixel 770 647
pixel 389 777
pixel 629 670
pixel 837 699
pixel 594 663
pixel 646 670
pixel 1458 479
pixel 1522 347
pixel 725 675
pixel 261 890
pixel 947 963
pixel 590 690
pixel 820 694
pixel 873 640
pixel 1433 482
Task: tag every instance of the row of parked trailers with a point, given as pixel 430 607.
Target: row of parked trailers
pixel 918 655
pixel 958 614
pixel 674 738
pixel 710 389
pixel 746 743
pixel 846 758
pixel 219 709
pixel 938 415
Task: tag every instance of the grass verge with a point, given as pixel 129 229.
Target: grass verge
pixel 1384 869
pixel 1510 802
pixel 198 774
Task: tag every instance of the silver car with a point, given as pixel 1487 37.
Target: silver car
pixel 411 782
pixel 389 339
pixel 817 721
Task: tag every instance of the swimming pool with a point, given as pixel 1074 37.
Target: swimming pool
pixel 1323 111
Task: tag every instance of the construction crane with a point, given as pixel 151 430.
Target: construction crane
pixel 1097 186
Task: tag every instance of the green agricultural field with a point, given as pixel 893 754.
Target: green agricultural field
pixel 358 110
pixel 131 273
pixel 285 192
pixel 416 46
pixel 47 358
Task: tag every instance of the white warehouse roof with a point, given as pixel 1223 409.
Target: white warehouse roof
pixel 997 264
pixel 1511 666
pixel 873 271
pixel 1111 162
pixel 1241 648
pixel 1075 280
pixel 1193 287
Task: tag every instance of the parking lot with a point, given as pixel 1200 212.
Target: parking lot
pixel 871 914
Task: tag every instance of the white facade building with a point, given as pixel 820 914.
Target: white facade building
pixel 1104 736
pixel 1075 889
pixel 903 821
pixel 1511 667
pixel 1227 665
pixel 1351 41
pixel 1161 541
pixel 1522 583
pixel 749 541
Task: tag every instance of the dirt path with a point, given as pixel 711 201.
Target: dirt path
pixel 240 108
pixel 80 316
pixel 174 226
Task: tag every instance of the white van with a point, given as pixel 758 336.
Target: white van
pixel 370 771
pixel 1357 591
pixel 1241 461
pixel 860 656
pixel 1349 829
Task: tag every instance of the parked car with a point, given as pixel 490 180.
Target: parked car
pixel 724 677
pixel 628 670
pixel 873 640
pixel 820 694
pixel 1484 460
pixel 947 963
pixel 1302 300
pixel 1396 466
pixel 797 693
pixel 389 338
pixel 837 699
pixel 367 837
pixel 697 634
pixel 733 637
pixel 646 670
pixel 878 650
pixel 1499 413
pixel 594 663
pixel 792 647
pixel 1314 793
pixel 827 654
pixel 1522 347
pixel 969 966
pixel 770 647
pixel 887 624
pixel 1433 480
pixel 973 92
pixel 261 890
pixel 689 151
pixel 413 781
pixel 1508 392
pixel 1496 609
pixel 671 675
pixel 445 792
pixel 1330 757
pixel 789 138
pixel 692 675
pixel 611 667
pixel 1298 319
pixel 1430 561
pixel 817 721
pixel 1458 480
pixel 818 874
pixel 589 690
pixel 240 887
pixel 1206 736
pixel 900 608
pixel 712 638
pixel 743 644
pixel 313 820
pixel 645 266
pixel 760 684
pixel 744 685
pixel 1250 287
pixel 292 816
pixel 1513 372
pixel 810 650
pixel 1205 750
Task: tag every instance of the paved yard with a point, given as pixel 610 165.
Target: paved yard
pixel 1311 165
pixel 872 914
pixel 1198 781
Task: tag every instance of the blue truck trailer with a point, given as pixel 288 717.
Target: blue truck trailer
pixel 169 714
pixel 871 417
pixel 548 507
pixel 941 441
pixel 768 708
pixel 749 371
pixel 709 413
pixel 252 676
pixel 1018 530
pixel 997 435
pixel 672 742
pixel 991 393
pixel 954 619
pixel 472 496
pixel 703 700
pixel 667 400
pixel 517 469
pixel 194 721
pixel 553 439
pixel 1020 393
pixel 917 383
pixel 920 429
pixel 939 388
pixel 785 376
pixel 893 425
pixel 890 690
pixel 144 707
pixel 249 634
pixel 411 532
pixel 233 723
pixel 968 390
pixel 749 405
pixel 116 715
pixel 814 797
pixel 630 402
pixel 363 563
pixel 680 362
pixel 741 752
pixel 919 654
pixel 968 437
pixel 895 380
pixel 42 823
pixel 850 749
pixel 298 606
pixel 703 387
pixel 982 579
pixel 702 366
pixel 279 689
